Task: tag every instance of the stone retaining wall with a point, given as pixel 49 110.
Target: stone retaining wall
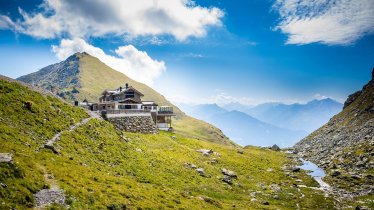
pixel 135 124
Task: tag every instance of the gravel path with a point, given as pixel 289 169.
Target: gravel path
pixel 50 142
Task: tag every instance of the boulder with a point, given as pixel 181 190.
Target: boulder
pixel 227 179
pixel 201 171
pixel 335 173
pixel 296 169
pixel 3 185
pixel 265 203
pixel 6 158
pixel 229 173
pixel 205 152
pixel 214 160
pixel 51 147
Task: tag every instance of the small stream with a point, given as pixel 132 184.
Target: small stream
pixel 315 172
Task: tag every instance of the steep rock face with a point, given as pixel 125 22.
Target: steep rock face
pixel 60 78
pixel 82 76
pixel 345 143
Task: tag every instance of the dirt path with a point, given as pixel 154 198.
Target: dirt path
pixel 56 137
pixel 49 196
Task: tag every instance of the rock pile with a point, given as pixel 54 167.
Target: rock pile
pixel 228 176
pixel 49 196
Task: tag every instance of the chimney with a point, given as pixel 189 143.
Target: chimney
pixel 127 85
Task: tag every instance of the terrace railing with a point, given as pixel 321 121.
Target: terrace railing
pixel 124 111
pixel 165 110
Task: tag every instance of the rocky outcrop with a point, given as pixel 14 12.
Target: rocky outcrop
pixel 135 124
pixel 344 146
pixel 351 98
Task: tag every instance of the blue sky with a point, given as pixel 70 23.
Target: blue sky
pixel 211 51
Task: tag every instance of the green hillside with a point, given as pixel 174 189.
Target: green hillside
pixel 98 167
pixel 83 76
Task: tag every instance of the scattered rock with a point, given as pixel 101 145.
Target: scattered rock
pixel 49 196
pixel 362 208
pixel 276 197
pixel 190 165
pixel 293 176
pixel 265 203
pixel 28 105
pixel 139 150
pixel 3 185
pixel 211 201
pixel 240 151
pixel 253 200
pixel 214 160
pixel 335 173
pixel 296 169
pixel 205 152
pixel 269 170
pixel 201 171
pixel 51 147
pixel 229 173
pixel 6 158
pixel 275 187
pixel 227 179
pixel 262 186
pixel 217 154
pixel 173 137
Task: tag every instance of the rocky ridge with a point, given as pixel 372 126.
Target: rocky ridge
pixel 344 146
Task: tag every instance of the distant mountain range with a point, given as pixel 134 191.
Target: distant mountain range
pixel 307 117
pixel 269 123
pixel 242 128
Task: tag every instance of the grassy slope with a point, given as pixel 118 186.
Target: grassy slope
pixel 97 168
pixel 95 77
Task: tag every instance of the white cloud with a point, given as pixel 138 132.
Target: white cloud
pixel 136 64
pixel 96 18
pixel 332 22
pixel 5 22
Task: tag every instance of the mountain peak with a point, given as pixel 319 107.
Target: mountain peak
pixel 77 55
